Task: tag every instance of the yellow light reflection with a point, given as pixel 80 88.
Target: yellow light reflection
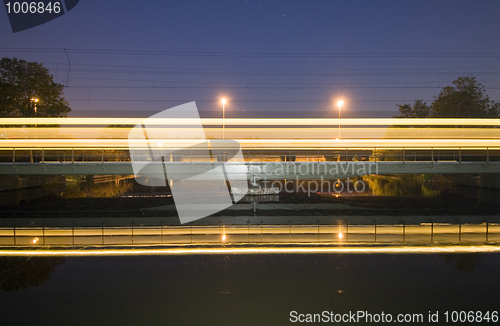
pixel 257 143
pixel 254 122
pixel 257 250
pixel 298 132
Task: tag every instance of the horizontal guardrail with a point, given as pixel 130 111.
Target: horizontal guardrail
pixel 79 155
pixel 234 234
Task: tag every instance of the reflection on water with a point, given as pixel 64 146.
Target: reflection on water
pixel 251 289
pixel 19 273
pixel 260 199
pixel 81 187
pixel 390 200
pixel 400 185
pixel 464 263
pixel 18 190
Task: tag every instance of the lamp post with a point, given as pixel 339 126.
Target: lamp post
pixel 340 103
pixel 34 100
pixel 223 101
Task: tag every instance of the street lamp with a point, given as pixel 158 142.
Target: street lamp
pixel 223 101
pixel 340 103
pixel 34 100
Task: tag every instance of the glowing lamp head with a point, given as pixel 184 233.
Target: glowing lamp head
pixel 340 103
pixel 34 99
pixel 223 101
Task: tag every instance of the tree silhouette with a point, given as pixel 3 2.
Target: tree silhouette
pixel 22 83
pixel 419 109
pixel 465 98
pixel 19 273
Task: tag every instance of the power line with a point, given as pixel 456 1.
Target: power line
pixel 258 87
pixel 322 73
pixel 437 70
pixel 265 54
pixel 237 101
pixel 226 84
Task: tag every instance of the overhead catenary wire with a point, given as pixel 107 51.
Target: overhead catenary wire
pixel 262 54
pixel 208 78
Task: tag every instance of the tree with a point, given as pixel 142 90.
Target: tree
pixel 21 82
pixel 419 109
pixel 466 98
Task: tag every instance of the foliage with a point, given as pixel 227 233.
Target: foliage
pixel 465 98
pixel 401 185
pixel 22 81
pixel 419 109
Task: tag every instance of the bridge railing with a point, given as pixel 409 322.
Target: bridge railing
pixel 342 233
pixel 96 155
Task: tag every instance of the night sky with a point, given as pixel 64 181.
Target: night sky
pixel 131 58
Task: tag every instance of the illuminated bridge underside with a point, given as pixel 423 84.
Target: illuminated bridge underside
pixel 260 171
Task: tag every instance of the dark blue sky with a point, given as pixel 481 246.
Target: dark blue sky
pixel 264 55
